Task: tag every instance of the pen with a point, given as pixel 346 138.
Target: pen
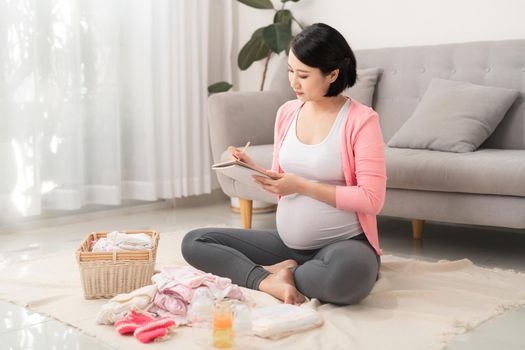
pixel 245 147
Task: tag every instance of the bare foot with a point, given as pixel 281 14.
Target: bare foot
pixel 282 286
pixel 286 264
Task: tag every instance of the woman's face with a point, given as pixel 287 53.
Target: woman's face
pixel 309 83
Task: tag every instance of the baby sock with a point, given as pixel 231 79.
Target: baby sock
pixel 156 329
pixel 145 328
pixel 131 322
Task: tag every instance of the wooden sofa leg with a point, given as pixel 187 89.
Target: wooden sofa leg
pixel 417 228
pixel 246 206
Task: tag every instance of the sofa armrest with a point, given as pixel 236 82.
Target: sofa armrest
pixel 236 117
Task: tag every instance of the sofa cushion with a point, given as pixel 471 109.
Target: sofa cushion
pixel 485 171
pixel 454 116
pixel 364 87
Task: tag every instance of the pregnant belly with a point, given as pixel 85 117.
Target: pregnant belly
pixel 306 223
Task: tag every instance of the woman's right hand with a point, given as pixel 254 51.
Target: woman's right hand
pixel 243 157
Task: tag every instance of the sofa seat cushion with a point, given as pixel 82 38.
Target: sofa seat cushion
pixel 485 171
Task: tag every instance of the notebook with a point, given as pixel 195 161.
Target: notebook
pixel 240 171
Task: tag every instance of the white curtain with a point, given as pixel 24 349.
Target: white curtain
pixel 104 100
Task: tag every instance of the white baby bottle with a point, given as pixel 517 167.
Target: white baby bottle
pixel 201 316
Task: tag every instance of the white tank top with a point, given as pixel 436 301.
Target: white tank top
pixel 304 222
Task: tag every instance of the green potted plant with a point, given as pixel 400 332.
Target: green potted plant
pixel 265 41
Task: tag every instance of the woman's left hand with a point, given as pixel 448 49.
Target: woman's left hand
pixel 280 183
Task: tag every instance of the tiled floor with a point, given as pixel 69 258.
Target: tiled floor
pixel 23 329
pixel 491 247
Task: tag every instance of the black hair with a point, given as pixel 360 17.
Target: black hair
pixel 321 46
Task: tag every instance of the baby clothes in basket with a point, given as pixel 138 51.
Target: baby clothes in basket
pixel 127 241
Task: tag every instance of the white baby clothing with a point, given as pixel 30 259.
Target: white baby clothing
pixel 117 307
pixel 127 241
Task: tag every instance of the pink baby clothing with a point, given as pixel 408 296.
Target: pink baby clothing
pixel 171 301
pixel 185 279
pixel 177 284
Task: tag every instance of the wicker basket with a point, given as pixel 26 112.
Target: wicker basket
pixel 106 274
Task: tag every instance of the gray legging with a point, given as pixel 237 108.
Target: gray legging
pixel 341 273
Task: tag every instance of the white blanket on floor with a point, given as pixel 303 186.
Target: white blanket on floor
pixel 414 305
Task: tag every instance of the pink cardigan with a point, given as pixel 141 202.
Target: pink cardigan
pixel 363 159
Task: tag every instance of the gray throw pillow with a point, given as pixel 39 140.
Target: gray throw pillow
pixel 363 89
pixel 454 116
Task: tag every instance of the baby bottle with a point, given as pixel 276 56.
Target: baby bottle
pixel 242 325
pixel 222 325
pixel 202 317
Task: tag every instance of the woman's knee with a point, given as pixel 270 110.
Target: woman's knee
pixel 190 241
pixel 337 278
pixel 350 287
pixel 354 272
pixel 355 293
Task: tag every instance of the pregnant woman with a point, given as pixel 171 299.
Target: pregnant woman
pixel 329 174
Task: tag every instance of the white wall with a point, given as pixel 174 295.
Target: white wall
pixel 386 23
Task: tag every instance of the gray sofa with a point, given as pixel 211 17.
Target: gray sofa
pixel 484 187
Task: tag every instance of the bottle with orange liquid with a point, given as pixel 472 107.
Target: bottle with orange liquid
pixel 223 325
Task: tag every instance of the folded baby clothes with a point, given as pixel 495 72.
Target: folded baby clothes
pixel 281 320
pixel 180 320
pixel 144 327
pixel 172 302
pixel 183 280
pixel 103 245
pixel 128 241
pixel 177 284
pixel 118 306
